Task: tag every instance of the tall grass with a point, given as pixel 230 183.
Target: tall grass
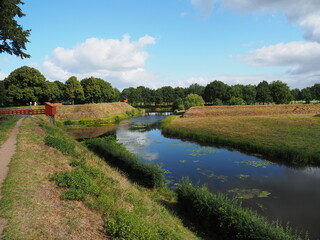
pixel 148 175
pixel 216 214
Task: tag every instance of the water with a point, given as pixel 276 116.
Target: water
pixel 273 190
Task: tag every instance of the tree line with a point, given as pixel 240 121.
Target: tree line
pixel 27 84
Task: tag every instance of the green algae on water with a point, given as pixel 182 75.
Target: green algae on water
pixel 211 174
pixel 201 151
pixel 249 193
pixel 258 163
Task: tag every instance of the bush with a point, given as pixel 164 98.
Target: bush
pixel 193 100
pixel 217 214
pixel 145 174
pixel 217 102
pixel 236 101
pixel 68 122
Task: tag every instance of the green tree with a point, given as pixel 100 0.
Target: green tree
pixel 61 88
pixel 178 104
pixel 196 89
pixel 13 38
pixel 216 89
pixel 264 93
pixel 236 101
pixel 315 89
pixel 236 91
pixel 91 89
pixel 192 100
pixel 280 92
pixel 168 95
pixel 106 91
pixel 24 85
pixel 51 92
pixel 249 93
pixel 117 95
pixel 179 92
pixel 306 95
pixel 295 94
pixel 73 90
pixel 2 93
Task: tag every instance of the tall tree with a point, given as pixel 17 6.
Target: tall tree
pixel 280 92
pixel 24 85
pixel 196 89
pixel 315 89
pixel 2 93
pixel 106 91
pixel 249 93
pixel 216 90
pixel 13 38
pixel 74 90
pixel 264 93
pixel 306 94
pixel 91 89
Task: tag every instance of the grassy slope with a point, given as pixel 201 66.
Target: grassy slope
pixel 34 206
pixel 89 111
pixel 272 134
pixel 6 124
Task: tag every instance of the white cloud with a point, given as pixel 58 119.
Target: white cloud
pixel 120 60
pixel 304 13
pixel 205 6
pixel 301 57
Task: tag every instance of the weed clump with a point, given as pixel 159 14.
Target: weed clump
pixel 61 145
pixel 218 214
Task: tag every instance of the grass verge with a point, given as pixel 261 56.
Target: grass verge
pixel 85 199
pixel 6 124
pixel 289 137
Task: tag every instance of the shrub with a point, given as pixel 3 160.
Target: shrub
pixel 117 119
pixel 217 214
pixel 236 101
pixel 68 122
pixel 193 100
pixel 217 102
pixel 145 174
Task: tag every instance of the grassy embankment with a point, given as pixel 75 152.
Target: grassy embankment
pixel 109 204
pixel 6 124
pixel 287 132
pixel 94 114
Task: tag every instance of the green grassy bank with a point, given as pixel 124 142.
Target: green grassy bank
pixel 288 137
pixel 58 189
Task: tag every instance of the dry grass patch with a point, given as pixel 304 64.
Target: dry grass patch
pixel 252 110
pixel 90 111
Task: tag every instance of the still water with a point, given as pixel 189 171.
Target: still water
pixel 273 190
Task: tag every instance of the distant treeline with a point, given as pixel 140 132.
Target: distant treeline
pixel 26 84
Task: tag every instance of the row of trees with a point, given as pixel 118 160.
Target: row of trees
pixel 27 84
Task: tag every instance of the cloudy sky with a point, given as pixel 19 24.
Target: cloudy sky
pixel 173 42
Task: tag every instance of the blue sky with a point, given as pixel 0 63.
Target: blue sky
pixel 173 42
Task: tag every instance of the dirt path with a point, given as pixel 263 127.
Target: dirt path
pixel 6 152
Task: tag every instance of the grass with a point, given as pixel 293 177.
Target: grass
pixel 6 124
pixel 290 137
pixel 110 117
pixel 218 214
pixel 106 204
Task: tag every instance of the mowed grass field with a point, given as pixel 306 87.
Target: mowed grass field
pixel 288 132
